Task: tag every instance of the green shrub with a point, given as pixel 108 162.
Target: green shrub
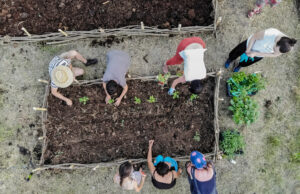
pixel 232 142
pixel 251 83
pixel 245 110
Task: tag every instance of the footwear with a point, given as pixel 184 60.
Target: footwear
pixel 237 69
pixel 227 63
pixel 91 62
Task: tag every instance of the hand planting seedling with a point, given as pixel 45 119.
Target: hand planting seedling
pixel 196 137
pixel 151 99
pixel 163 78
pixel 232 143
pixel 137 100
pixel 111 101
pixel 245 110
pixel 176 95
pixel 193 97
pixel 83 100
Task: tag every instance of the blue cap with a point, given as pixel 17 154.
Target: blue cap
pixel 198 159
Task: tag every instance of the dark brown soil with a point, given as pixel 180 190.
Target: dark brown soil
pixel 97 132
pixel 41 16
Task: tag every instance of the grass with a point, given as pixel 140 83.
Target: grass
pixel 52 50
pixel 5 133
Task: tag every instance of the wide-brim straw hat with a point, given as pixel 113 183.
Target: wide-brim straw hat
pixel 62 76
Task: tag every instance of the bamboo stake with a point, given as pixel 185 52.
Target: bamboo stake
pixel 142 26
pixel 105 2
pixel 179 27
pixel 64 33
pixel 39 109
pixel 26 32
pixel 43 81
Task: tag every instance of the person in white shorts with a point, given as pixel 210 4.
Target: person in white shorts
pixel 62 74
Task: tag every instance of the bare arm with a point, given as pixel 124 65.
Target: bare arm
pixel 256 36
pixel 125 89
pixel 177 81
pixel 139 187
pixel 275 54
pixel 55 93
pixel 177 174
pixel 149 157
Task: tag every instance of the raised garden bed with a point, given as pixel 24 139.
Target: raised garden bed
pixel 83 19
pixel 96 134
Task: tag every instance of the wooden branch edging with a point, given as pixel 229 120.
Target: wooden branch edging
pixel 94 166
pixel 132 30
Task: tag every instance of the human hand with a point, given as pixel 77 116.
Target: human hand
pixel 107 99
pixel 69 102
pixel 180 170
pixel 250 54
pixel 118 101
pixel 171 91
pixel 165 68
pixel 151 143
pixel 142 173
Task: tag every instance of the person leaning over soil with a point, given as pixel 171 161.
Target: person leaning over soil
pixel 267 43
pixel 164 171
pixel 129 179
pixel 190 51
pixel 62 73
pixel 201 175
pixel 118 63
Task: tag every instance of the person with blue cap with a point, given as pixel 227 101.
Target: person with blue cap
pixel 201 175
pixel 164 171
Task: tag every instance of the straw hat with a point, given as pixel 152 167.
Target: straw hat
pixel 62 76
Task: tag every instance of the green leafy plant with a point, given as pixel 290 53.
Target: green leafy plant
pixel 193 97
pixel 251 83
pixel 232 142
pixel 111 101
pixel 83 100
pixel 179 73
pixel 295 157
pixel 175 95
pixel 196 137
pixel 163 78
pixel 151 99
pixel 245 110
pixel 137 100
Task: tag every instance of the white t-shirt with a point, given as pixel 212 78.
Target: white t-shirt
pixel 266 45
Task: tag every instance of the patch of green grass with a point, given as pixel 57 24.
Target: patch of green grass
pixel 273 141
pixel 52 50
pixel 5 133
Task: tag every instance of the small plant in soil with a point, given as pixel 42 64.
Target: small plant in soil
pixel 193 97
pixel 179 73
pixel 232 143
pixel 252 83
pixel 175 95
pixel 196 137
pixel 151 99
pixel 245 110
pixel 137 100
pixel 163 78
pixel 111 101
pixel 83 100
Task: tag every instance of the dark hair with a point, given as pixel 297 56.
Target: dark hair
pixel 162 168
pixel 111 87
pixel 124 171
pixel 196 86
pixel 208 165
pixel 285 44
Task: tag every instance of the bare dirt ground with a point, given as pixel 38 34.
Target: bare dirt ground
pixel 266 166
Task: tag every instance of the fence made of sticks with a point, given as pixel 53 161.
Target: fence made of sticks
pixel 214 155
pixel 62 37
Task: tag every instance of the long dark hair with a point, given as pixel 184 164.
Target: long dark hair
pixel 124 171
pixel 285 44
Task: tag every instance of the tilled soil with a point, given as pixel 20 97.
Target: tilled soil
pixel 97 132
pixel 41 16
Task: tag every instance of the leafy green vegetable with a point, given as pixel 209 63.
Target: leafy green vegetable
pixel 175 95
pixel 137 100
pixel 193 97
pixel 111 101
pixel 196 137
pixel 83 100
pixel 151 99
pixel 232 142
pixel 163 78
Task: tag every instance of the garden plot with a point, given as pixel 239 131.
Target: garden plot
pixel 92 132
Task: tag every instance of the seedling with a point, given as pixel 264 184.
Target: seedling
pixel 83 100
pixel 176 95
pixel 179 73
pixel 196 137
pixel 151 99
pixel 163 78
pixel 193 97
pixel 137 100
pixel 111 101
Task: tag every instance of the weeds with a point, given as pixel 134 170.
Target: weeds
pixel 83 100
pixel 151 99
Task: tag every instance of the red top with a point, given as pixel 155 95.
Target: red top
pixel 182 45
